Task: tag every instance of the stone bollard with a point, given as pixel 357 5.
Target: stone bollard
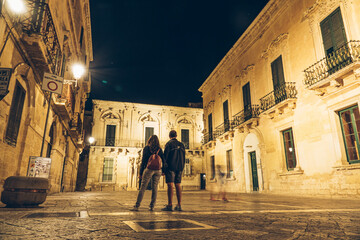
pixel 24 191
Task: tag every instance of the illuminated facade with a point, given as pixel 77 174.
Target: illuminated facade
pixel 282 108
pixel 121 130
pixel 44 37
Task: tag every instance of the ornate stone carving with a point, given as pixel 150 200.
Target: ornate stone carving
pixel 109 115
pixel 147 118
pixel 275 44
pixel 245 71
pixel 184 121
pixel 210 106
pixel 324 7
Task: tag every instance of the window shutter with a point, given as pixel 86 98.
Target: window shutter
pixel 185 137
pixel 246 95
pixel 15 114
pixel 333 32
pixel 326 35
pixel 210 123
pixel 338 29
pixel 110 135
pixel 277 72
pixel 226 110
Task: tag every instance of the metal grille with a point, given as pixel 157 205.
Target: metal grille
pixel 285 91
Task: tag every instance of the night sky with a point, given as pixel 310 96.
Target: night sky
pixel 160 52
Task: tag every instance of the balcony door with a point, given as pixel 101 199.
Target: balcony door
pixel 110 135
pixel 278 78
pixel 149 131
pixel 247 101
pixel 210 127
pixel 226 115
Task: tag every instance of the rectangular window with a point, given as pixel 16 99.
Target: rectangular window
pixel 108 170
pixel 247 101
pixel 185 137
pixel 278 78
pixel 149 131
pixel 212 167
pixel 81 36
pixel 333 32
pixel 277 71
pixel 16 109
pixel 289 149
pixel 350 125
pixel 229 164
pixel 226 115
pixel 110 135
pixel 187 168
pixel 210 127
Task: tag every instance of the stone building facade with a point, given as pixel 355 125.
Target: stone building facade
pixel 44 37
pixel 121 130
pixel 282 107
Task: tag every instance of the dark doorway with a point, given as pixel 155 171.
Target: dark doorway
pixel 255 180
pixel 202 181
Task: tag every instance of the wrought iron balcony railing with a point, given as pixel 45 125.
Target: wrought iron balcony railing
pixel 76 125
pixel 207 138
pixel 335 61
pixel 115 142
pixel 38 21
pixel 251 111
pixel 223 128
pixel 281 93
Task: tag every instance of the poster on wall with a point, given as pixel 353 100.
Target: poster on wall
pixel 39 167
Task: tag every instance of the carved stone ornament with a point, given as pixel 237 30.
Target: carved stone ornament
pixel 324 7
pixel 244 72
pixel 184 121
pixel 226 91
pixel 109 115
pixel 275 44
pixel 147 118
pixel 210 106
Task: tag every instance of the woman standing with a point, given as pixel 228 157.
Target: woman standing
pixel 146 174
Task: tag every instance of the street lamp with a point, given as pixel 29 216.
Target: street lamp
pixel 78 70
pixel 16 6
pixel 91 140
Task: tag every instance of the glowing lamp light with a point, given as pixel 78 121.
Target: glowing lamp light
pixel 17 6
pixel 78 70
pixel 91 140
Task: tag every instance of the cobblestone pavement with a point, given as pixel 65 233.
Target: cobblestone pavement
pixel 105 215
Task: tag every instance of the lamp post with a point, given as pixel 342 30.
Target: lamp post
pixel 78 71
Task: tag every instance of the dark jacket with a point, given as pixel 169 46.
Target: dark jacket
pixel 145 158
pixel 174 155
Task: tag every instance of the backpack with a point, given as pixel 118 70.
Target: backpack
pixel 176 156
pixel 154 162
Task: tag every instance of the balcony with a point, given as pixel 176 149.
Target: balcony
pixel 279 101
pixel 76 126
pixel 114 142
pixel 248 116
pixel 207 137
pixel 224 130
pixel 37 29
pixel 65 104
pixel 330 71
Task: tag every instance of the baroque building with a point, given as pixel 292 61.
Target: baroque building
pixel 282 107
pixel 37 37
pixel 121 130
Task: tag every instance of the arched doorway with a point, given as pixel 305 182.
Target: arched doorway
pixel 252 164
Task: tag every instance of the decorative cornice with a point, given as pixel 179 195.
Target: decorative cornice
pixel 245 71
pixel 274 44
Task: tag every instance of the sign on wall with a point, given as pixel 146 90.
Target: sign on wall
pixel 39 167
pixel 52 83
pixel 5 75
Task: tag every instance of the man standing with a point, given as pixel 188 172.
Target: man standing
pixel 174 154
